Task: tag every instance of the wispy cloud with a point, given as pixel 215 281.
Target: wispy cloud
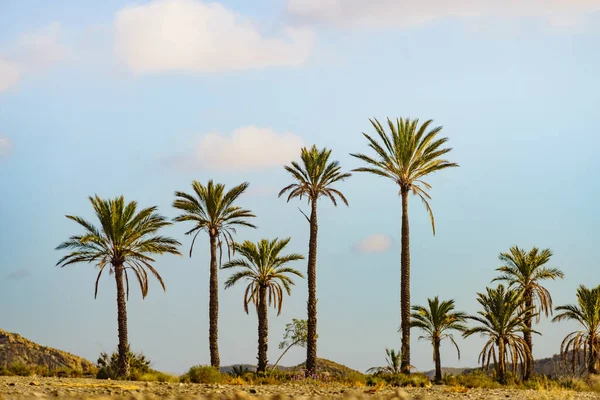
pixel 246 148
pixel 18 275
pixel 198 36
pixel 377 243
pixel 406 13
pixel 32 52
pixel 5 146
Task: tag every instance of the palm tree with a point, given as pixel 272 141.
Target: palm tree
pixel 393 360
pixel 314 178
pixel 524 271
pixel 436 321
pixel 125 242
pixel 211 209
pixel 586 340
pixel 502 318
pixel 267 274
pixel 406 156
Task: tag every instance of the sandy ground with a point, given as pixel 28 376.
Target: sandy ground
pixel 59 388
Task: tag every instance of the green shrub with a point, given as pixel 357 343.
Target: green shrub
pixel 399 380
pixel 476 379
pixel 202 374
pixel 155 376
pixel 107 366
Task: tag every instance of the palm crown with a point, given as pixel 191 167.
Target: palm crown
pixel 212 210
pixel 587 314
pixel 125 239
pixel 524 271
pixel 408 154
pixel 436 320
pixel 315 176
pixel 502 318
pixel 392 359
pixel 263 266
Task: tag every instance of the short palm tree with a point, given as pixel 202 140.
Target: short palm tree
pixel 212 210
pixel 314 178
pixel 437 320
pixel 524 271
pixel 586 341
pixel 406 155
pixel 267 274
pixel 125 241
pixel 393 361
pixel 501 321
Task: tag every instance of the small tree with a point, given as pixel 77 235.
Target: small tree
pixel 393 359
pixel 296 334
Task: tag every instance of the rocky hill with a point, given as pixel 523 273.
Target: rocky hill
pixel 554 366
pixel 16 350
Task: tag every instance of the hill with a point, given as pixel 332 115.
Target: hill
pixel 552 366
pixel 16 350
pixel 324 366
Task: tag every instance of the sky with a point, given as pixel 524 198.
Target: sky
pixel 140 98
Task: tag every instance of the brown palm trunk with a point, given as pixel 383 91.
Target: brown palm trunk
pixel 405 285
pixel 123 360
pixel 263 329
pixel 501 362
pixel 527 336
pixel 213 307
pixel 593 356
pixel 311 345
pixel 438 361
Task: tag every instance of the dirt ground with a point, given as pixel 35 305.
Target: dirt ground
pixel 59 388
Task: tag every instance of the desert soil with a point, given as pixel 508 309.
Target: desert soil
pixel 41 388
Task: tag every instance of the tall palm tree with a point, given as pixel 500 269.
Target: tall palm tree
pixel 393 361
pixel 437 320
pixel 212 209
pixel 314 178
pixel 502 319
pixel 524 271
pixel 586 340
pixel 126 241
pixel 267 274
pixel 406 155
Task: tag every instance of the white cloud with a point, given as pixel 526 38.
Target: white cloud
pixel 246 148
pixel 377 243
pixel 10 73
pixel 405 13
pixel 5 146
pixel 197 36
pixel 32 52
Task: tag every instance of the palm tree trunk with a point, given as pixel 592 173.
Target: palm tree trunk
pixel 213 308
pixel 123 361
pixel 593 357
pixel 527 336
pixel 263 330
pixel 438 361
pixel 405 285
pixel 311 345
pixel 501 364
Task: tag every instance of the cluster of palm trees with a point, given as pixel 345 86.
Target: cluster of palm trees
pixel 508 314
pixel 128 239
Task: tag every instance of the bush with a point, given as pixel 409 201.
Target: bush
pixel 202 374
pixel 108 366
pixel 399 380
pixel 155 376
pixel 476 379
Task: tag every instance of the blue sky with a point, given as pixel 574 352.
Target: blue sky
pixel 140 98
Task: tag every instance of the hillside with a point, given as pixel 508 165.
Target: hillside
pixel 323 366
pixel 15 349
pixel 552 366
